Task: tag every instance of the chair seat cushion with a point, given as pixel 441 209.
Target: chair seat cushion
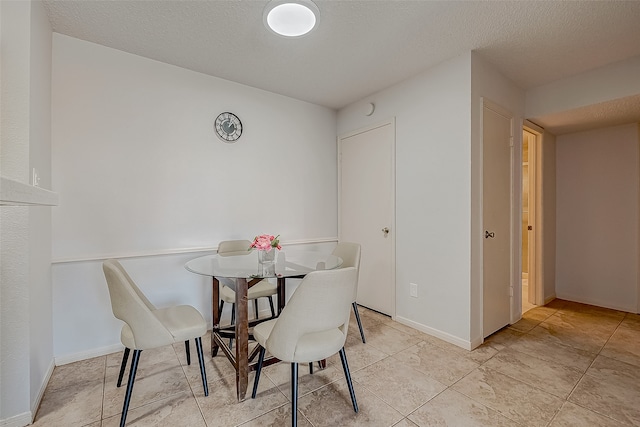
pixel 262 331
pixel 318 345
pixel 309 348
pixel 264 288
pixel 183 321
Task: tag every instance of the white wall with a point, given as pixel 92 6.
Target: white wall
pixel 613 81
pixel 438 189
pixel 26 350
pixel 432 193
pixel 548 201
pixel 488 83
pixel 597 217
pixel 14 221
pixel 141 174
pixel 40 325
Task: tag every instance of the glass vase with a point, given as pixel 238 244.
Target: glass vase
pixel 267 262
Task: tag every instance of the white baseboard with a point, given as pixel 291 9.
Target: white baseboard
pixel 467 345
pixel 36 403
pixel 96 352
pixel 550 298
pixel 581 299
pixel 20 420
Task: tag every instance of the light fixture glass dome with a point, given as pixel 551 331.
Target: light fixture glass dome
pixel 291 18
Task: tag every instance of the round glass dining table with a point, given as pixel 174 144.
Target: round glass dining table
pixel 240 272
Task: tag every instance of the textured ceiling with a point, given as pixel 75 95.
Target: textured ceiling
pixel 360 47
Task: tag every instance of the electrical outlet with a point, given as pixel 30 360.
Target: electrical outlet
pixel 413 290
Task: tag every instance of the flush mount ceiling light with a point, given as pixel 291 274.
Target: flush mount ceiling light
pixel 291 18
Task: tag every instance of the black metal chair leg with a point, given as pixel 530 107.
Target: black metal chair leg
pixel 188 351
pixel 311 368
pixel 258 371
pixel 355 310
pixel 220 307
pixel 294 394
pixel 132 377
pixel 273 312
pixel 125 356
pixel 255 307
pixel 233 322
pixel 203 372
pixel 345 366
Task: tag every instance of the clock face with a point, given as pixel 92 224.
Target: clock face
pixel 228 127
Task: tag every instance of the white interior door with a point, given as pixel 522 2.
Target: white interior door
pixel 497 139
pixel 367 202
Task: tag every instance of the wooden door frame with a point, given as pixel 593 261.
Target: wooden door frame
pixel 536 255
pixel 392 122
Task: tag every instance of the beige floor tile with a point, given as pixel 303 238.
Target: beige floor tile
pixel 571 415
pixel 277 418
pixel 405 423
pixel 503 338
pixel 367 318
pixel 222 409
pixel 400 386
pixel 479 355
pixel 552 377
pixel 388 339
pixel 165 355
pixel 539 313
pixel 583 338
pixel 359 356
pixel 525 324
pixel 451 408
pixel 152 383
pixel 600 323
pixel 77 373
pixel 280 375
pixel 180 409
pixel 571 307
pixel 331 406
pixel 552 351
pixel 514 399
pixel 631 321
pixel 73 406
pixel 612 388
pixel 567 335
pixel 215 367
pixel 438 363
pixel 404 328
pixel 557 304
pixel 624 346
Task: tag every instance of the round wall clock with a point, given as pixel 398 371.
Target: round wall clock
pixel 228 127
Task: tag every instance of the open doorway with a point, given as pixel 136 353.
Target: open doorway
pixel 531 224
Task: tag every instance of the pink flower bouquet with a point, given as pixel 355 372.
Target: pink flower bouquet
pixel 265 242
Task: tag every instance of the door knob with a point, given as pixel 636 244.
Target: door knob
pixel 488 234
pixel 385 230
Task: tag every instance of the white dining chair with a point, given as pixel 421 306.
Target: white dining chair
pixel 147 327
pixel 312 326
pixel 350 254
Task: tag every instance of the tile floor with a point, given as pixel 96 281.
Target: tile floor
pixel 564 364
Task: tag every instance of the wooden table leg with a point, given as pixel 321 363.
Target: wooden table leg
pixel 215 316
pixel 281 294
pixel 242 339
